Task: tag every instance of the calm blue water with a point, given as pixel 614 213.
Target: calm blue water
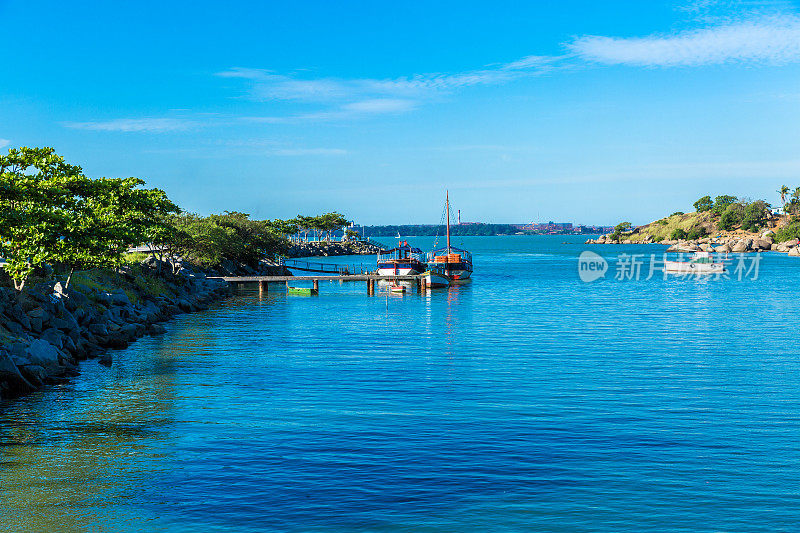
pixel 525 401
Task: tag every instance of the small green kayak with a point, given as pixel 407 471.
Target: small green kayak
pixel 302 291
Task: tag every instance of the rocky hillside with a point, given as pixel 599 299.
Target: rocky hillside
pixel 699 232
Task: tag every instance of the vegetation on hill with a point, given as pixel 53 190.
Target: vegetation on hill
pixel 724 213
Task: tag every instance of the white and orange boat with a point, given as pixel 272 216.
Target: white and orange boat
pixel 448 264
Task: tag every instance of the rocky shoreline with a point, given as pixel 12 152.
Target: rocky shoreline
pixel 324 249
pixel 46 331
pixel 742 243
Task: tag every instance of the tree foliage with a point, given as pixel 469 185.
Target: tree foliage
pixel 704 204
pixel 324 224
pixel 620 229
pixel 51 213
pixel 208 241
pixel 721 203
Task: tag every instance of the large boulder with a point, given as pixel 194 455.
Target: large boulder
pixel 762 244
pixel 791 242
pixel 794 251
pixel 103 298
pixel 12 382
pixel 119 297
pixel 44 354
pixel 98 329
pixel 685 247
pixel 741 246
pixel 724 249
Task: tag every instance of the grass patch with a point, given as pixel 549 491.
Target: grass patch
pixel 143 284
pixel 677 224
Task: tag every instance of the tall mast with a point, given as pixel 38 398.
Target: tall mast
pixel 448 221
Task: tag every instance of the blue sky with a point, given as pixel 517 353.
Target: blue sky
pixel 582 111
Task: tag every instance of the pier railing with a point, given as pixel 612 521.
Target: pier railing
pixel 324 268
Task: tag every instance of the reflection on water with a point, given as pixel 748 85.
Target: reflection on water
pixel 526 400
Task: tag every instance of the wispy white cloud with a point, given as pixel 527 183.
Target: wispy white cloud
pixel 4 143
pixel 362 97
pixel 352 110
pixel 151 125
pixel 268 85
pixel 774 40
pixel 308 151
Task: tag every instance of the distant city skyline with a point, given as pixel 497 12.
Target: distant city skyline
pixel 592 112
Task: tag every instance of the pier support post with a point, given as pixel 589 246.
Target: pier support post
pixel 421 285
pixel 263 287
pixel 316 285
pixel 370 287
pixel 287 285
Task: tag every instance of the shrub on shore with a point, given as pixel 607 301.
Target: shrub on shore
pixel 678 234
pixel 788 232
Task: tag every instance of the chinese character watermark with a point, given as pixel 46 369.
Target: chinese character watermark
pixel 643 267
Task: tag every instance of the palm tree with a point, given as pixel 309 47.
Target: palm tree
pixel 783 191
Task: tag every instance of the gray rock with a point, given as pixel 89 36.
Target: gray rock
pixel 36 324
pixel 119 297
pixel 35 374
pixel 18 351
pixel 98 329
pixel 129 331
pixel 104 298
pixel 44 354
pixel 54 337
pixel 740 247
pixel 156 329
pixel 15 328
pixel 794 251
pixel 106 359
pixel 13 383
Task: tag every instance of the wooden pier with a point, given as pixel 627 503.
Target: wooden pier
pixel 370 279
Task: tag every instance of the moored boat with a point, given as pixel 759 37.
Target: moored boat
pixel 436 276
pixel 454 263
pixel 404 260
pixel 699 263
pixel 301 291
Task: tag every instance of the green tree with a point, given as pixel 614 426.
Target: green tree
pixel 696 232
pixel 731 217
pixel 754 214
pixel 721 203
pixel 331 222
pixel 704 204
pixel 51 213
pixel 284 227
pixel 620 229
